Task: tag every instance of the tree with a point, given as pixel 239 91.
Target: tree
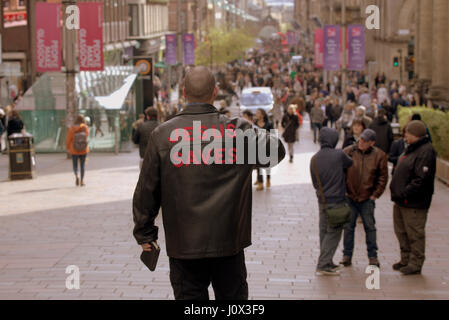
pixel 221 47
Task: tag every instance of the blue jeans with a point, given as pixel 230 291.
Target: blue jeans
pixel 366 211
pixel 82 161
pixel 316 128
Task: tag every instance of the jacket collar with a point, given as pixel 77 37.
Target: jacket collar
pixel 412 147
pixel 198 108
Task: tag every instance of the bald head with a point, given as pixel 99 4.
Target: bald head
pixel 199 85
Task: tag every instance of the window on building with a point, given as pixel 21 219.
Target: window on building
pixel 134 21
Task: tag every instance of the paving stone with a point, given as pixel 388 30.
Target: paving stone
pixel 61 225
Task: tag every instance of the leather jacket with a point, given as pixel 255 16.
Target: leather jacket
pixel 206 208
pixel 368 175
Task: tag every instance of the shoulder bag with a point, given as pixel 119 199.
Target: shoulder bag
pixel 336 216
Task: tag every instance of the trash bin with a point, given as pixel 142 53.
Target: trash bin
pixel 21 157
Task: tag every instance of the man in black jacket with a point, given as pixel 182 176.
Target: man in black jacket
pixel 412 189
pixel 206 197
pixel 384 133
pixel 144 130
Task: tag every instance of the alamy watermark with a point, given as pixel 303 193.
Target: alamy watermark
pixel 73 280
pixel 225 144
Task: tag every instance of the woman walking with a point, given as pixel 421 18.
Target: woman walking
pixel 290 123
pixel 78 146
pixel 263 123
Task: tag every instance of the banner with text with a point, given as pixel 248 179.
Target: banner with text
pixel 356 42
pixel 318 48
pixel 48 37
pixel 170 49
pixel 189 49
pixel 90 39
pixel 332 45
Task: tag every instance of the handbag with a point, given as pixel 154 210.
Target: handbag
pixel 338 215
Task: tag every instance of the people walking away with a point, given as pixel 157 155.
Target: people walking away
pixel 357 128
pixel 77 145
pixel 317 119
pixel 412 188
pixel 263 122
pixel 365 182
pixel 384 133
pixel 142 133
pixel 206 208
pixel 290 123
pixel 328 177
pixel 15 123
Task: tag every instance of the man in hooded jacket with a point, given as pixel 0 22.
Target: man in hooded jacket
pixel 330 165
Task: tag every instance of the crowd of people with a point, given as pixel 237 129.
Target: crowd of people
pixel 348 181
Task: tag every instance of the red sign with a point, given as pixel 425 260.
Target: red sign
pixel 319 48
pixel 48 37
pixel 90 41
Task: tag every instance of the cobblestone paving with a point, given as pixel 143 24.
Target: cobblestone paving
pixel 47 224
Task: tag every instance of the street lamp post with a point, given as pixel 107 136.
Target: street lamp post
pixel 69 54
pixel 343 51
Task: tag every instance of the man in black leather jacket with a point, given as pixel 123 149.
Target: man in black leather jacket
pixel 144 130
pixel 206 207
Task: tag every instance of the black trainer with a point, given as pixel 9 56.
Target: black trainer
pixel 408 270
pixel 398 266
pixel 346 261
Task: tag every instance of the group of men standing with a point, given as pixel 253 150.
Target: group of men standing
pixel 357 176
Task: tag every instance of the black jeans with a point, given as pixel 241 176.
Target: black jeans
pixel 82 161
pixel 190 279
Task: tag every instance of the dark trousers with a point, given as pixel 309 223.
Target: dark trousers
pixel 316 130
pixel 329 238
pixel 366 211
pixel 409 227
pixel 82 160
pixel 190 279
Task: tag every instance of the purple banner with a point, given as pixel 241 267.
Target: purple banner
pixel 170 49
pixel 189 49
pixel 332 44
pixel 356 43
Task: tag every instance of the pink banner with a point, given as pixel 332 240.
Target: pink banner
pixel 90 38
pixel 319 48
pixel 48 37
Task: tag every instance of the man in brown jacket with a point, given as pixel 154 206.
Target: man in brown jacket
pixel 365 182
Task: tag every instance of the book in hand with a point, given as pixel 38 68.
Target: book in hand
pixel 149 258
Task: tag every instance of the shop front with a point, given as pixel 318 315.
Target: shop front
pixel 106 98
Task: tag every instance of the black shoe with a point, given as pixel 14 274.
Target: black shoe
pixel 77 181
pixel 398 266
pixel 291 159
pixel 408 270
pixel 346 262
pixel 374 262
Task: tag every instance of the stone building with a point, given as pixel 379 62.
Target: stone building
pixel 415 32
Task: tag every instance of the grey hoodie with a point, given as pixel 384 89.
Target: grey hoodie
pixel 331 164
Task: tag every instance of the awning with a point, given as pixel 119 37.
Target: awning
pixel 160 64
pixel 94 89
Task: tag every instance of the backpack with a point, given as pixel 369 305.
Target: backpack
pixel 80 141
